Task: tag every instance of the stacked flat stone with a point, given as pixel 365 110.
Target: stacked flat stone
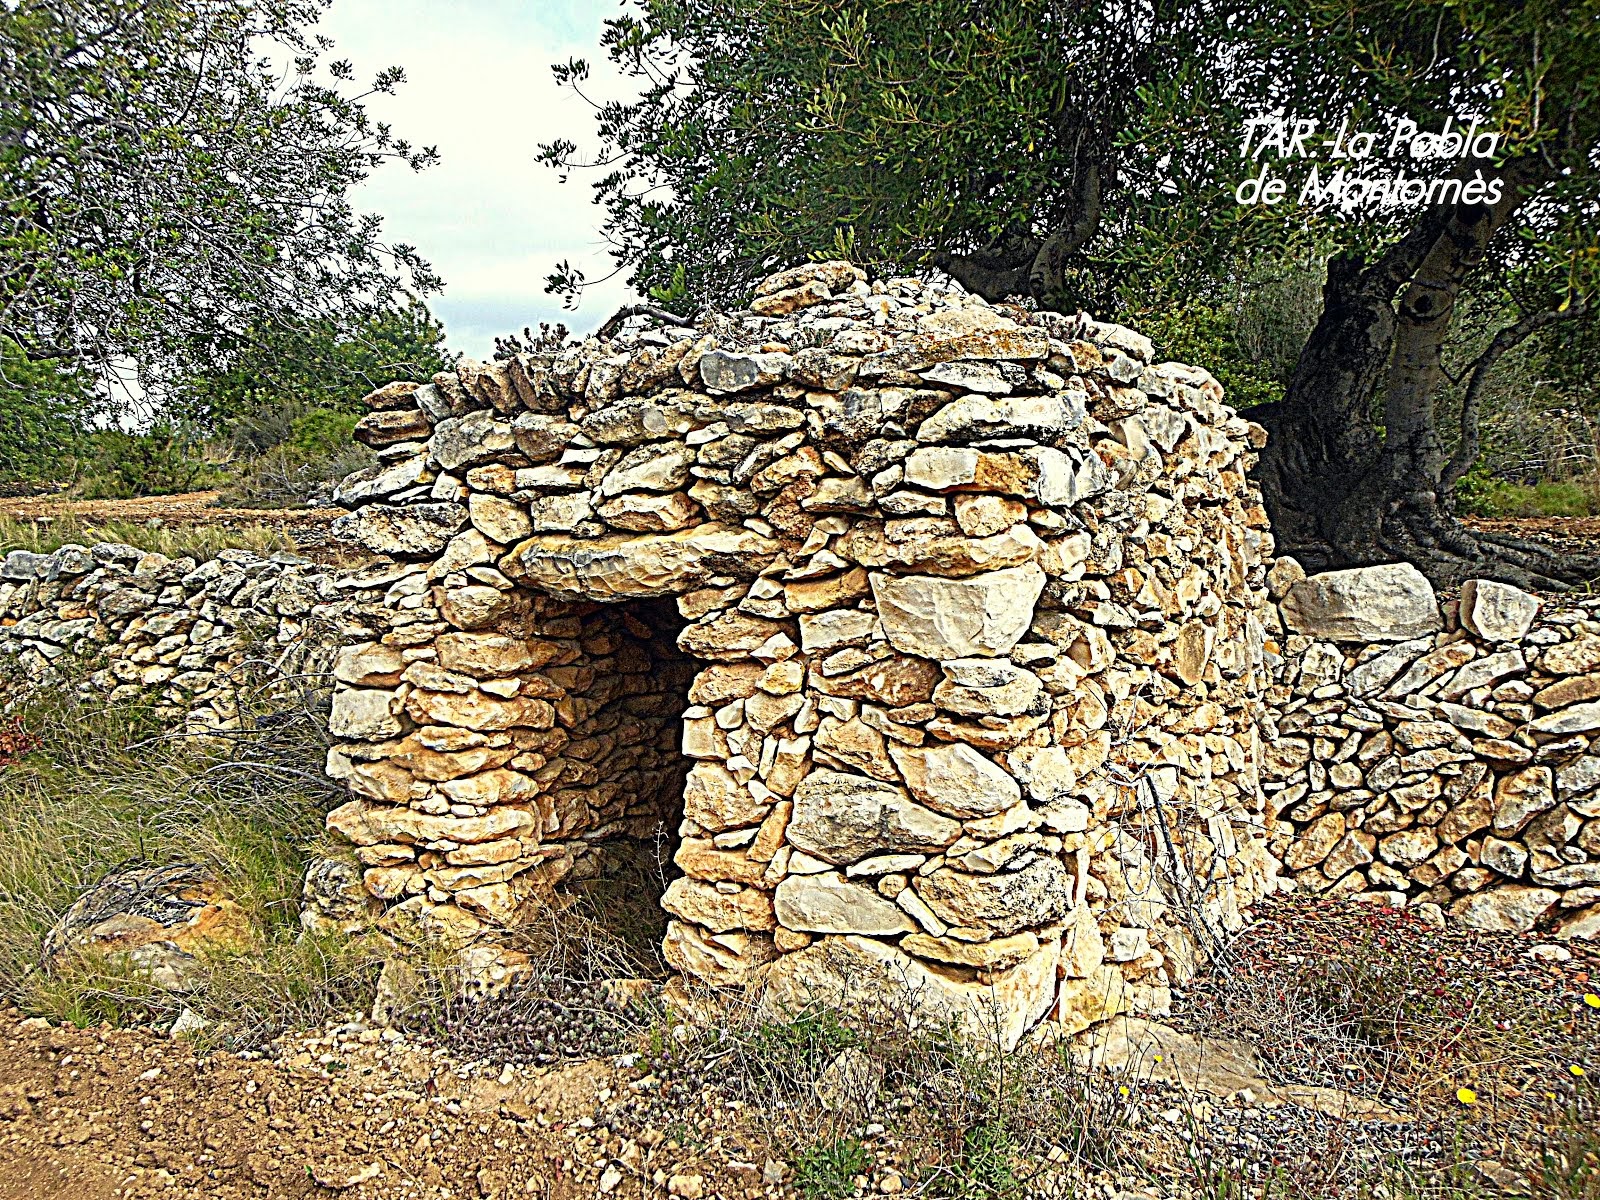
pixel 951 613
pixel 1439 755
pixel 168 632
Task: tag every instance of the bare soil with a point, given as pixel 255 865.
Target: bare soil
pixel 1333 997
pixel 1564 535
pixel 100 1113
pixel 187 508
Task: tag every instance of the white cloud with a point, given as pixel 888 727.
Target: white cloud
pixel 492 221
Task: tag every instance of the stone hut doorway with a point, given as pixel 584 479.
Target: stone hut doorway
pixel 611 787
pixel 956 574
pixel 524 748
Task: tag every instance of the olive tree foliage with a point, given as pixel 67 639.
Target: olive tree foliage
pixel 1085 155
pixel 988 139
pixel 175 179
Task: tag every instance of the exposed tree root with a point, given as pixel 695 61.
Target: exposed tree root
pixel 1449 554
pixel 1418 530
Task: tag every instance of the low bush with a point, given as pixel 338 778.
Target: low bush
pixel 166 460
pixel 288 477
pixel 286 455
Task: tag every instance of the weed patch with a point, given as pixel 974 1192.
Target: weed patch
pixel 828 1170
pixel 98 788
pixel 1471 1033
pixel 1482 495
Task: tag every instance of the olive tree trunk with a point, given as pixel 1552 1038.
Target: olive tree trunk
pixel 1340 492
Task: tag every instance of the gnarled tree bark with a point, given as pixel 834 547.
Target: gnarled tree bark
pixel 1340 492
pixel 1022 265
pixel 1477 372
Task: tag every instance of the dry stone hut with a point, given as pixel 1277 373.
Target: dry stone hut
pixel 930 648
pixel 925 634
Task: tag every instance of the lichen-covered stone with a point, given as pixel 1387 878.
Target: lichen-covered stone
pixel 1497 612
pixel 937 618
pixel 621 568
pixel 842 818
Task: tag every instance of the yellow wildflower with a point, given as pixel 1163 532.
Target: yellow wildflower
pixel 1466 1095
pixel 1575 1069
pixel 1591 1000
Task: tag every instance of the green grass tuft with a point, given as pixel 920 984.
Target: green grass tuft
pixel 1480 495
pixel 827 1170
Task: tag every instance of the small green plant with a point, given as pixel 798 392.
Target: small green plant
pixel 816 1034
pixel 100 989
pixel 1480 494
pixel 827 1170
pixel 1570 1166
pixel 987 1152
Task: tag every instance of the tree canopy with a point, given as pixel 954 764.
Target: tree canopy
pixel 1088 155
pixel 175 179
pixel 987 138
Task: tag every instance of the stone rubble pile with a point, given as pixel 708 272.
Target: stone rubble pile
pixel 170 632
pixel 929 632
pixel 1439 755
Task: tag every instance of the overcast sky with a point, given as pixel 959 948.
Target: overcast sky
pixel 490 219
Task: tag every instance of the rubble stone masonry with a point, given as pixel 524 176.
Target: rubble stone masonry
pixel 176 634
pixel 1440 756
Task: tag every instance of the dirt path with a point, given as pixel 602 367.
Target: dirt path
pixel 376 1114
pixel 188 508
pixel 93 1114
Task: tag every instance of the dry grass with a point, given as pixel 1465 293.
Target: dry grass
pixel 199 542
pixel 1491 1049
pixel 105 788
pixel 843 1098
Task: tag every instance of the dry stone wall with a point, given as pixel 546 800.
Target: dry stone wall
pixel 931 630
pixel 1439 755
pixel 174 633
